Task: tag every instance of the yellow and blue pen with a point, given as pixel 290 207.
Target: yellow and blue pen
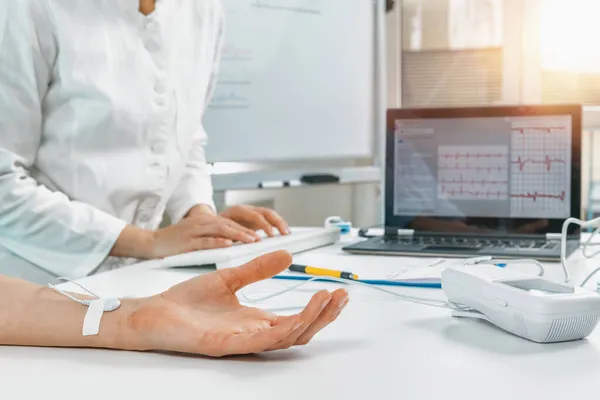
pixel 305 269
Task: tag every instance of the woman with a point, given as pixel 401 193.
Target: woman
pixel 101 104
pixel 200 316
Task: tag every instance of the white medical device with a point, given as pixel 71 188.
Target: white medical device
pixel 534 308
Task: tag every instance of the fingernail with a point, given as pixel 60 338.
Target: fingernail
pixel 288 230
pixel 324 304
pixel 250 238
pixel 343 303
pixel 228 242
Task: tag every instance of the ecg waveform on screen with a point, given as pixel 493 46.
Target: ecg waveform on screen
pixel 468 155
pixel 540 168
pixel 521 162
pixel 537 129
pixel 482 182
pixel 546 162
pixel 473 172
pixel 477 168
pixel 535 196
pixel 461 192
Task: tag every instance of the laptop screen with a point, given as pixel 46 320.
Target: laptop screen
pixel 513 170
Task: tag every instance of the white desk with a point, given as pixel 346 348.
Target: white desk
pixel 379 348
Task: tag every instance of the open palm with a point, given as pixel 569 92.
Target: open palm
pixel 203 315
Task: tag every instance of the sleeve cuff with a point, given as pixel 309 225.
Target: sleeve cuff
pixel 79 256
pixel 112 228
pixel 180 206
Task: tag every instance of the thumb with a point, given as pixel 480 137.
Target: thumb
pixel 259 269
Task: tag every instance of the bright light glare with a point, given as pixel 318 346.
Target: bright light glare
pixel 569 38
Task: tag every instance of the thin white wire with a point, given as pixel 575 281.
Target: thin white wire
pixel 412 299
pixel 62 279
pixel 443 304
pixel 590 277
pixel 519 261
pixel 588 242
pixel 563 244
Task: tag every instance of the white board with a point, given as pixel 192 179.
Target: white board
pixel 296 81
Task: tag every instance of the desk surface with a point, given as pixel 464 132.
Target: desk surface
pixel 380 347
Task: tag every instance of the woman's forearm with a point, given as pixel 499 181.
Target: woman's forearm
pixel 133 242
pixel 32 315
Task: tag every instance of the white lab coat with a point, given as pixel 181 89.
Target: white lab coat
pixel 100 124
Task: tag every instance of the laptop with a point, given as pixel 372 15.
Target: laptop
pixel 481 181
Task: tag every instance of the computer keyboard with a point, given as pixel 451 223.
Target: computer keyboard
pixel 471 242
pixel 301 239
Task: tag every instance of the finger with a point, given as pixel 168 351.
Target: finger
pixel 254 313
pixel 260 341
pixel 237 226
pixel 275 220
pixel 339 300
pixel 254 218
pixel 259 269
pixel 226 229
pixel 309 315
pixel 210 243
pixel 233 232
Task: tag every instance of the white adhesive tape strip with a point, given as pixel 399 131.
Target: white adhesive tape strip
pixel 93 316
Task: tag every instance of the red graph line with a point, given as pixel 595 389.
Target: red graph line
pixel 535 195
pixel 547 162
pixel 469 168
pixel 461 192
pixel 547 129
pixel 497 194
pixel 456 156
pixel 472 182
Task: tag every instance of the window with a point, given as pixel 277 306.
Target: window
pixel 475 24
pixel 452 53
pixel 570 51
pixel 482 52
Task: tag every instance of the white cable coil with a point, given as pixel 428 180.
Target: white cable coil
pixel 594 223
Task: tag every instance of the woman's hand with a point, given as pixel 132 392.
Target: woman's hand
pixel 204 316
pixel 199 232
pixel 201 229
pixel 257 218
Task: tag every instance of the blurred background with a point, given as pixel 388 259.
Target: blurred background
pixel 465 52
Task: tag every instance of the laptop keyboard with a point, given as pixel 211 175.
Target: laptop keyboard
pixel 473 242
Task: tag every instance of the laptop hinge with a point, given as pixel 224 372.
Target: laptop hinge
pixel 553 236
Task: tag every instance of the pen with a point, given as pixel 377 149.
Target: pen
pixel 305 269
pixel 278 184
